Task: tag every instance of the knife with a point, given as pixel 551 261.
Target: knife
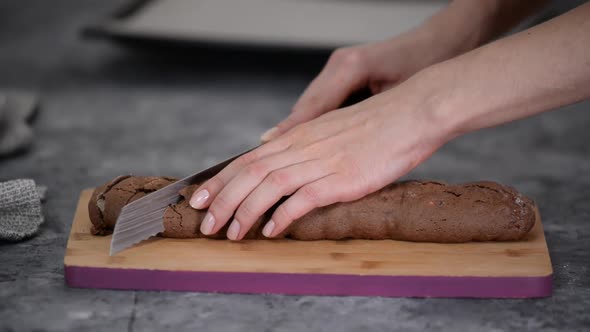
pixel 143 218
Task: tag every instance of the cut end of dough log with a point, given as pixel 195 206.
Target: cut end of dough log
pixel 107 200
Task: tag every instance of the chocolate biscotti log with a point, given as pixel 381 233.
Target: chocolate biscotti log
pixel 423 211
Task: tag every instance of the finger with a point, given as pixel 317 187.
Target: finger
pixel 316 194
pixel 204 195
pixel 278 183
pixel 342 75
pixel 235 191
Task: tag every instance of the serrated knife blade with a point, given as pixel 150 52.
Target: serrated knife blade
pixel 142 219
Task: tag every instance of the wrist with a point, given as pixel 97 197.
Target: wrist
pixel 461 26
pixel 438 103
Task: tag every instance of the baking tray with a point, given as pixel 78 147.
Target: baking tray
pixel 275 24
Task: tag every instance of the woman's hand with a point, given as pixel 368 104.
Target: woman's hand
pixel 346 154
pixel 340 156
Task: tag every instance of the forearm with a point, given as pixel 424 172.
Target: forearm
pixel 466 24
pixel 533 71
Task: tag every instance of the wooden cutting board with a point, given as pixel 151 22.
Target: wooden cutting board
pixel 350 267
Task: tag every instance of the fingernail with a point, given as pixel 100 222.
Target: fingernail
pixel 207 224
pixel 269 134
pixel 233 230
pixel 199 199
pixel 268 228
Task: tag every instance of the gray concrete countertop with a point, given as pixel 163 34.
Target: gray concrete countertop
pixel 106 111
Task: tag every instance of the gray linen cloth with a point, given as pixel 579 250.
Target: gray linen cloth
pixel 17 109
pixel 20 200
pixel 20 209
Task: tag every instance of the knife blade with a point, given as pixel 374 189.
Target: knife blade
pixel 143 218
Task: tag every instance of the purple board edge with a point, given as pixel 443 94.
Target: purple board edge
pixel 309 284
